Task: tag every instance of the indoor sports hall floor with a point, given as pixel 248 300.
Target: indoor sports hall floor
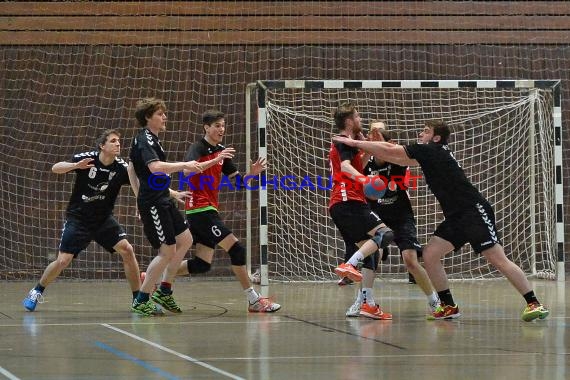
pixel 84 330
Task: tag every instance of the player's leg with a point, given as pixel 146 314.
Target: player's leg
pixel 237 253
pixel 405 232
pixel 534 309
pixel 356 222
pixel 163 295
pixel 349 249
pixel 75 238
pixel 111 236
pixel 204 231
pixel 369 308
pixel 160 232
pixel 410 257
pixel 447 237
pixel 130 264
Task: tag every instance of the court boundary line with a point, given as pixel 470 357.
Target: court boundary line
pixel 175 353
pixel 8 374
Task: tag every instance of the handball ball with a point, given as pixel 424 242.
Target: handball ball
pixel 375 188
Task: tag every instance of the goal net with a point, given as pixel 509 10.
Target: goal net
pixel 502 135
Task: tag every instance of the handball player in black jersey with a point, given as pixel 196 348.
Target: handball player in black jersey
pixel 164 226
pixel 99 176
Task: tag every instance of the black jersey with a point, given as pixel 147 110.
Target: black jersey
pixel 95 189
pixel 145 149
pixel 396 188
pixel 445 177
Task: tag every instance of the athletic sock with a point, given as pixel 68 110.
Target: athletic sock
pixel 530 297
pixel 39 288
pixel 356 258
pixel 165 287
pixel 251 295
pixel 432 298
pixel 142 297
pixel 367 296
pixel 446 297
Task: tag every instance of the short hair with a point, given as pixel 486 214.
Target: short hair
pixel 343 112
pixel 146 108
pixel 440 128
pixel 387 135
pixel 102 139
pixel 211 116
pixel 376 121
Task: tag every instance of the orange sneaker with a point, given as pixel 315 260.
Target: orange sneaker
pixel 445 312
pixel 347 270
pixel 374 312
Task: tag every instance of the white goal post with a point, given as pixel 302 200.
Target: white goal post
pixel 506 134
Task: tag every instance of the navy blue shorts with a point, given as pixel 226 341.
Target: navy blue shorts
pixel 76 235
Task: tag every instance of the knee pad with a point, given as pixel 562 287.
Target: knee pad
pixel 237 254
pixel 383 237
pixel 197 265
pixel 371 262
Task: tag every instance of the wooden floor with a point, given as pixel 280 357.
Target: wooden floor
pixel 84 330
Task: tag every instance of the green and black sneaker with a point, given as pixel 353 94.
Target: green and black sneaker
pixel 166 301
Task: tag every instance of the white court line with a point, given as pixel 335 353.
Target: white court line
pixel 8 375
pixel 182 356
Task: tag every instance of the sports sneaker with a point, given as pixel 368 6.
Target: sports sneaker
pixel 445 312
pixel 166 301
pixel 347 270
pixel 345 281
pixel 374 312
pixel 354 309
pixel 143 276
pixel 34 297
pixel 433 306
pixel 534 310
pixel 146 309
pixel 263 305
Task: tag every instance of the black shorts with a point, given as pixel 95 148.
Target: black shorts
pixel 162 222
pixel 76 235
pixel 354 220
pixel 207 228
pixel 400 219
pixel 475 226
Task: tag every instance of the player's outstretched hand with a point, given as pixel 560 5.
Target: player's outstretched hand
pixel 227 153
pixel 180 196
pixel 258 166
pixel 86 163
pixel 344 140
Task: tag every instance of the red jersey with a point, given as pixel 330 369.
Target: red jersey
pixel 204 187
pixel 345 188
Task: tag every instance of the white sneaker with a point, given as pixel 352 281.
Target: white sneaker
pixel 433 305
pixel 354 309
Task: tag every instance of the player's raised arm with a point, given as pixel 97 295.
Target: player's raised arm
pixel 63 167
pixel 386 151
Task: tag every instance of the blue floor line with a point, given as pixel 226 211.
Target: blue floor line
pixel 142 363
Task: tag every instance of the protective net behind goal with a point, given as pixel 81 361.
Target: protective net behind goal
pixel 502 137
